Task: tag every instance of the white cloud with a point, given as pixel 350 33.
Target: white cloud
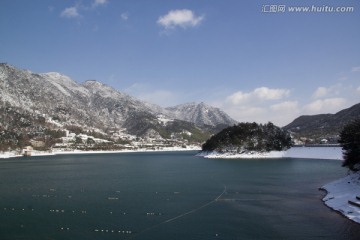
pixel 273 104
pixel 356 69
pixel 180 18
pixel 283 113
pixel 246 113
pixel 238 97
pixel 328 105
pixel 265 93
pixel 259 94
pixel 285 106
pixel 71 12
pixel 320 92
pixel 337 90
pixel 99 2
pixel 125 16
pixel 261 105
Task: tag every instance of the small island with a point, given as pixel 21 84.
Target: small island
pixel 249 140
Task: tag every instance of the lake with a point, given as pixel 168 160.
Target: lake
pixel 168 195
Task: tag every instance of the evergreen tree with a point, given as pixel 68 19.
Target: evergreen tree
pixel 350 143
pixel 246 137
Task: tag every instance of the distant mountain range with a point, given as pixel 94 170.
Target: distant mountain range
pixel 32 103
pixel 53 98
pixel 323 125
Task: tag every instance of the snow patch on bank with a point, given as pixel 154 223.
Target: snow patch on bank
pixel 340 192
pixel 334 153
pixel 60 152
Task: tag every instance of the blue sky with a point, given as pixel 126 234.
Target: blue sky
pixel 255 64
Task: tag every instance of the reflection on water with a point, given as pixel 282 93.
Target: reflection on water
pixel 167 195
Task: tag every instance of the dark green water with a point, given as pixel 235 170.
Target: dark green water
pixel 167 196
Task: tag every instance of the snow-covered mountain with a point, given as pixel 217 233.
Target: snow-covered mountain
pixel 200 114
pixel 92 104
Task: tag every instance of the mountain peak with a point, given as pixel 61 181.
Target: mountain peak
pixel 200 114
pixel 92 83
pixel 94 104
pixel 57 77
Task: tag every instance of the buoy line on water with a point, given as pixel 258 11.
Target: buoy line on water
pixel 182 215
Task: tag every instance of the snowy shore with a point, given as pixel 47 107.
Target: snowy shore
pixel 342 196
pixel 334 153
pixel 50 153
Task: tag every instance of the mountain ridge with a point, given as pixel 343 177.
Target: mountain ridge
pixel 323 126
pixel 62 101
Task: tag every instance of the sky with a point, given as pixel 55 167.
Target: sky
pixel 258 60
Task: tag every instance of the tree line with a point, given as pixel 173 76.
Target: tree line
pixel 246 137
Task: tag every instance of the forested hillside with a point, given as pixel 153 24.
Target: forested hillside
pixel 246 137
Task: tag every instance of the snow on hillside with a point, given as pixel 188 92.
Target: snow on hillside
pixel 164 120
pixel 91 104
pixel 200 114
pixel 215 154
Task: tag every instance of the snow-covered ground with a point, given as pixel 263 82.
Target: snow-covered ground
pixel 334 153
pixel 43 153
pixel 340 192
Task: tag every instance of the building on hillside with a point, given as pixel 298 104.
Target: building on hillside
pixel 26 152
pixel 37 143
pixel 324 141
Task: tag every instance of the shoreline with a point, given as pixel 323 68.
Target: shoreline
pixel 330 153
pixel 342 196
pixel 316 152
pixel 7 155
